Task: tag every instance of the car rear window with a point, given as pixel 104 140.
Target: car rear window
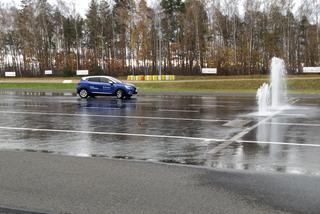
pixel 94 79
pixel 105 80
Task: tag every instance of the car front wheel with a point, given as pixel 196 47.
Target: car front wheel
pixel 120 94
pixel 83 93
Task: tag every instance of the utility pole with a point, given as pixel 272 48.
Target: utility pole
pixel 158 27
pixel 76 30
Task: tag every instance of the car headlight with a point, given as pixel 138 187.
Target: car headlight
pixel 128 87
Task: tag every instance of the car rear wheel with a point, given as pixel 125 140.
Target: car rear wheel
pixel 120 94
pixel 83 93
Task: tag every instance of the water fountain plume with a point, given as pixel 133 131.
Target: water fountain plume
pixel 278 83
pixel 273 96
pixel 263 98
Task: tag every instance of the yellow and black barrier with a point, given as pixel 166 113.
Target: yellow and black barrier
pixel 151 78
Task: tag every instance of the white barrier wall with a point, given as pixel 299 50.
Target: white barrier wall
pixel 311 70
pixel 48 72
pixel 82 72
pixel 209 71
pixel 10 74
pixel 67 81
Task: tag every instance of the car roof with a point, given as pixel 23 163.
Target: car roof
pixel 85 78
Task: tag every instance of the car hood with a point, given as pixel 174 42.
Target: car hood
pixel 129 84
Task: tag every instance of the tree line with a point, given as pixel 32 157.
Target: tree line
pixel 120 37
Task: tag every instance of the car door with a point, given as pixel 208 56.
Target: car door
pixel 107 85
pixel 95 85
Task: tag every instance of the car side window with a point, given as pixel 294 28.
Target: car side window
pixel 94 79
pixel 106 80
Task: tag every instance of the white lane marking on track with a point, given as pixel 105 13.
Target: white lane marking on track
pixel 294 100
pixel 110 133
pixel 150 100
pixel 230 98
pixel 112 116
pixel 181 110
pixel 196 105
pixel 63 101
pixel 279 143
pixel 292 115
pixel 220 102
pixel 238 136
pixel 109 108
pixel 42 106
pixel 245 131
pixel 312 105
pixel 137 103
pixel 203 140
pixel 293 124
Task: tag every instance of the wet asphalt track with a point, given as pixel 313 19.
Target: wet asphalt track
pixel 273 160
pixel 211 131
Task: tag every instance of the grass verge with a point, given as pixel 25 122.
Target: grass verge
pixel 29 85
pixel 297 85
pixel 236 85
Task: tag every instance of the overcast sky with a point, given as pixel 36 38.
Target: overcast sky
pixel 81 5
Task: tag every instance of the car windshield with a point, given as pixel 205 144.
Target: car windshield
pixel 115 80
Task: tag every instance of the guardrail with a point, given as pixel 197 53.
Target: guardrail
pixel 151 78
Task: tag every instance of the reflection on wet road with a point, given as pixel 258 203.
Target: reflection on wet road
pixel 171 129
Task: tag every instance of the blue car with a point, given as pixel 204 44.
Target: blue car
pixel 105 85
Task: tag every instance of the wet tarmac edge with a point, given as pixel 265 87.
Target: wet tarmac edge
pixel 211 94
pixel 10 210
pixel 164 162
